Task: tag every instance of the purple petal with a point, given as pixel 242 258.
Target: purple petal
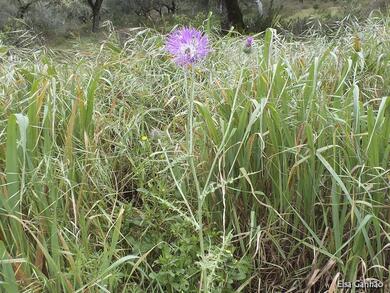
pixel 187 46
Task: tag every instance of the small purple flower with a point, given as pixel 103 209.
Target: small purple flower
pixel 248 45
pixel 249 42
pixel 187 46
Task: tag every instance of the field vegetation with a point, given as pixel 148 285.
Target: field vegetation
pixel 261 170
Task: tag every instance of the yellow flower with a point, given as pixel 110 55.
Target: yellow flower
pixel 144 138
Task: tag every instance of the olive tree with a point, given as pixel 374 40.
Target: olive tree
pixel 234 14
pixel 96 6
pixel 147 8
pixel 23 6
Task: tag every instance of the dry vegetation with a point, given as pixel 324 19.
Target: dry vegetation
pixel 291 153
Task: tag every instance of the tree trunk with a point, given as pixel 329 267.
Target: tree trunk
pixel 23 8
pixel 204 4
pixel 260 8
pixel 234 15
pixel 95 21
pixel 95 7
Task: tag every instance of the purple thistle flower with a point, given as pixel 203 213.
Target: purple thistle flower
pixel 187 46
pixel 248 45
pixel 249 42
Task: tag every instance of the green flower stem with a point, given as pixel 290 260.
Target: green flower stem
pixel 190 141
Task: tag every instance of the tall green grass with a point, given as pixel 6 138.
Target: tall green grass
pixel 299 162
pixel 290 154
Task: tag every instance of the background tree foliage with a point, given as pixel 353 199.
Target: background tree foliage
pixel 63 15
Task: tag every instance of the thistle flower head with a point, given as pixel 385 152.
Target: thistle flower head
pixel 248 45
pixel 249 42
pixel 187 46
